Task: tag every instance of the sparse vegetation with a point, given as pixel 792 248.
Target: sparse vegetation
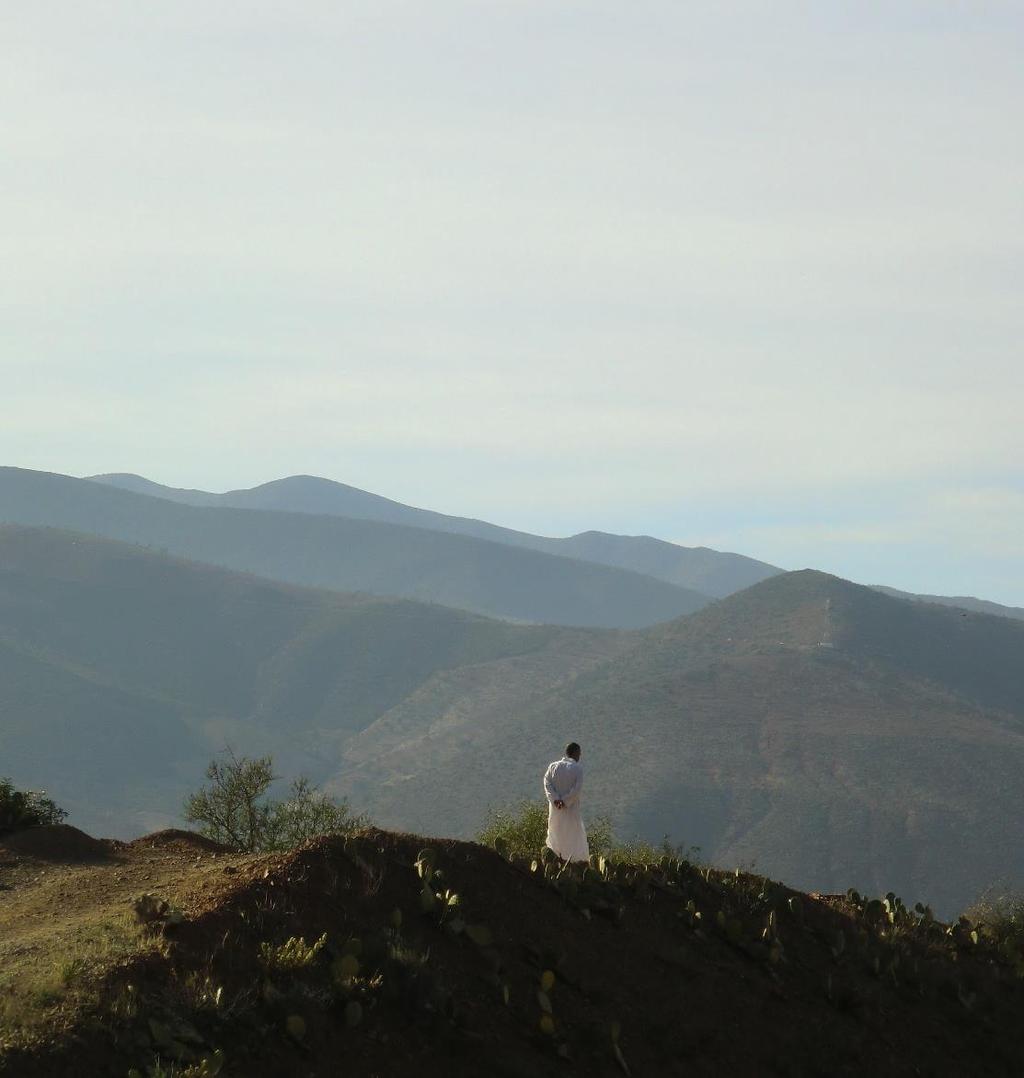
pixel 521 831
pixel 373 947
pixel 999 916
pixel 26 808
pixel 234 808
pixel 293 954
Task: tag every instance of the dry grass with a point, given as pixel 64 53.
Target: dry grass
pixel 41 980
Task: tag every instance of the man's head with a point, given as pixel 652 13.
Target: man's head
pixel 572 750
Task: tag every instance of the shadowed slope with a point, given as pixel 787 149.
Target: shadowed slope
pixel 752 982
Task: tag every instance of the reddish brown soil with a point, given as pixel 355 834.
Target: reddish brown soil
pixel 688 1004
pixel 173 839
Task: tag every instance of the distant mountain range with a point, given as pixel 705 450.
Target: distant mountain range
pixel 349 554
pixel 965 602
pixel 709 572
pixel 828 733
pixel 824 731
pixel 122 671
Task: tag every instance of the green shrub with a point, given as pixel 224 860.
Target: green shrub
pixel 521 830
pixel 636 852
pixel 999 916
pixel 26 808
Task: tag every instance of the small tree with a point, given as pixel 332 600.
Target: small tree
pixel 26 808
pixel 234 808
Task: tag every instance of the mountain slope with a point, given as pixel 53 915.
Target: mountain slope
pixel 122 672
pixel 353 555
pixel 965 602
pixel 710 572
pixel 828 733
pixel 831 734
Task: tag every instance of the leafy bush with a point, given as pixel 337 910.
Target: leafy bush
pixel 521 831
pixel 999 916
pixel 636 852
pixel 234 808
pixel 26 808
pixel 525 827
pixel 308 812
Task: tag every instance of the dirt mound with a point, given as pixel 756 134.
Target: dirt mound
pixel 58 842
pixel 459 962
pixel 179 841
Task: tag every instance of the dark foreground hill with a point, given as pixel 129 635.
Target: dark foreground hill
pixel 123 671
pixel 828 733
pixel 710 572
pixel 341 957
pixel 353 555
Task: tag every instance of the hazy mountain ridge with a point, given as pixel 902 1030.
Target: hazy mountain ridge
pixel 964 602
pixel 122 671
pixel 710 572
pixel 827 732
pixel 353 555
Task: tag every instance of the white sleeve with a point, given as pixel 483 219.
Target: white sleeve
pixel 549 787
pixel 572 795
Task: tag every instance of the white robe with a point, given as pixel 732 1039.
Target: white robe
pixel 563 781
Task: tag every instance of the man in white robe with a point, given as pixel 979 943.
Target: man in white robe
pixel 563 785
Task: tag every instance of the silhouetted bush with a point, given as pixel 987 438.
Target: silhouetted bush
pixel 26 808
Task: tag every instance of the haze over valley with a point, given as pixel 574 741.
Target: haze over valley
pixel 832 734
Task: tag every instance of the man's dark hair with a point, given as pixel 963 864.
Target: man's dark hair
pixel 573 750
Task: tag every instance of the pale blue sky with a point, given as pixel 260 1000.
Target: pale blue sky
pixel 744 274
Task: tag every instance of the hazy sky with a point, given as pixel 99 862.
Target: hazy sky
pixel 743 274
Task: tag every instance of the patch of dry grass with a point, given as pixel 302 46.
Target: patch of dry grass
pixel 42 982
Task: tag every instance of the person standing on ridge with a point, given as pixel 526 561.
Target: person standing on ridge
pixel 563 784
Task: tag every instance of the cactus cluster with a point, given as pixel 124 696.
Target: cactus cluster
pixel 435 900
pixel 291 955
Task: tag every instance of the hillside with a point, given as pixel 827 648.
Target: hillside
pixel 830 734
pixel 636 969
pixel 123 671
pixel 353 555
pixel 710 572
pixel 965 602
